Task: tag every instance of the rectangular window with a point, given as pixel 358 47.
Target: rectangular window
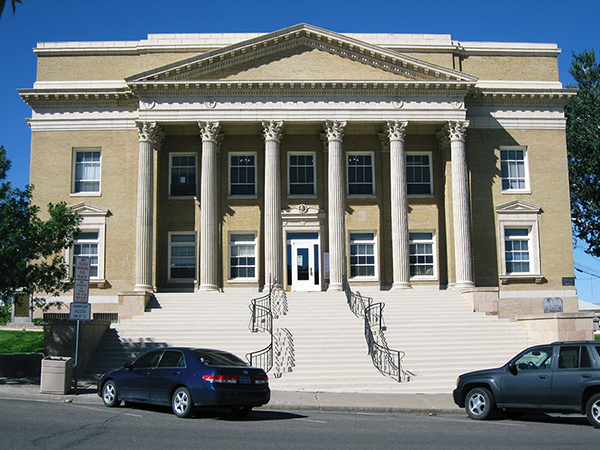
pixel 242 259
pixel 516 250
pixel 301 177
pixel 242 174
pixel 513 164
pixel 183 175
pixel 86 243
pixel 360 174
pixel 362 254
pixel 86 170
pixel 182 256
pixel 421 254
pixel 418 174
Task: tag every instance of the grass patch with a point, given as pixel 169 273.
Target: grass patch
pixel 17 341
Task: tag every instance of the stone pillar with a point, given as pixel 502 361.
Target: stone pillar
pixel 461 205
pixel 399 206
pixel 273 132
pixel 209 231
pixel 150 137
pixel 336 209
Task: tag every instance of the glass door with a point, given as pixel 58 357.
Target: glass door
pixel 303 264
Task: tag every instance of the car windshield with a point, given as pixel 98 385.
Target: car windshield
pixel 216 358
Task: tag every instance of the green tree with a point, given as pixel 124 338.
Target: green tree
pixel 31 249
pixel 14 5
pixel 583 147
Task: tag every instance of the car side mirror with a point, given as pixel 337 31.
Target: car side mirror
pixel 512 368
pixel 127 365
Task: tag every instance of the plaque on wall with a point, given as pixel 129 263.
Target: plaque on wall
pixel 553 305
pixel 568 281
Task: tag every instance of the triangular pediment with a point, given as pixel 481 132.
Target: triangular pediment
pixel 301 53
pixel 518 206
pixel 85 209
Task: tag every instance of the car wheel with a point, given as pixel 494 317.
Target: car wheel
pixel 592 410
pixel 181 403
pixel 241 411
pixel 110 394
pixel 479 403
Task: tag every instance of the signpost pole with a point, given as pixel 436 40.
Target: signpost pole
pixel 77 358
pixel 80 308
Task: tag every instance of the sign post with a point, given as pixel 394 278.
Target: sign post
pixel 80 308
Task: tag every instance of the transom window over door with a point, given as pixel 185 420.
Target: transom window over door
pixel 86 171
pixel 242 174
pixel 183 175
pixel 418 174
pixel 301 174
pixel 360 174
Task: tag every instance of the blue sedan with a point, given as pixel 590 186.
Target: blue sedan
pixel 186 378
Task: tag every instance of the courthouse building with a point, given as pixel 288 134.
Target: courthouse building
pixel 221 162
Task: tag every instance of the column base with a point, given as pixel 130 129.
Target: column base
pixel 335 287
pixel 464 285
pixel 401 285
pixel 143 287
pixel 208 288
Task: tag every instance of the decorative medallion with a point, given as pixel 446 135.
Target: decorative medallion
pixel 303 208
pixel 147 103
pixel 210 103
pixel 456 103
pixel 397 103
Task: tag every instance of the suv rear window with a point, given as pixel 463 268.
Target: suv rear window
pixel 574 357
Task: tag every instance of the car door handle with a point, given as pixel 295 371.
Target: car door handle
pixel 586 376
pixel 543 377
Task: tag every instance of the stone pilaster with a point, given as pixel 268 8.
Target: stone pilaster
pixel 399 206
pixel 461 201
pixel 209 231
pixel 150 137
pixel 336 207
pixel 273 132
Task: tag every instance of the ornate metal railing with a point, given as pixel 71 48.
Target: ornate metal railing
pixel 386 360
pixel 280 351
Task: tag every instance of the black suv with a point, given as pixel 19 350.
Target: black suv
pixel 559 377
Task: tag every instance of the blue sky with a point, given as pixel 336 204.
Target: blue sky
pixel 572 25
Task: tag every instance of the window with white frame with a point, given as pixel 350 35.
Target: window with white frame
pixel 422 254
pixel 242 174
pixel 301 174
pixel 183 175
pixel 516 250
pixel 513 168
pixel 362 254
pixel 86 170
pixel 242 256
pixel 518 235
pixel 418 174
pixel 86 243
pixel 360 174
pixel 182 256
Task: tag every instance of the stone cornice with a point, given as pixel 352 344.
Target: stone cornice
pixel 78 96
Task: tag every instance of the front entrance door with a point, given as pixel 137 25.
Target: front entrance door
pixel 303 262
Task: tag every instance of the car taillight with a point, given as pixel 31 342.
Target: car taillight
pixel 262 379
pixel 229 379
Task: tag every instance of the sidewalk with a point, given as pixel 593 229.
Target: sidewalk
pixel 29 389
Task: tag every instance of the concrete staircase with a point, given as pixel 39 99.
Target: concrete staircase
pixel 437 330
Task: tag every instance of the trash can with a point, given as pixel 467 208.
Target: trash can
pixel 56 375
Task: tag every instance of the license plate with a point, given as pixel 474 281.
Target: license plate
pixel 245 380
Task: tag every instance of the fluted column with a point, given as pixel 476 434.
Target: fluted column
pixel 209 232
pixel 273 132
pixel 461 205
pixel 150 136
pixel 336 209
pixel 399 206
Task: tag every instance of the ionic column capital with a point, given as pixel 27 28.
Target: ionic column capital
pixel 150 132
pixel 334 130
pixel 209 131
pixel 396 130
pixel 272 130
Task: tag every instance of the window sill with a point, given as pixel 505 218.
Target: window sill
pixel 86 194
pixel 522 278
pixel 420 195
pixel 516 191
pixel 362 196
pixel 302 196
pixel 98 283
pixel 242 280
pixel 242 197
pixel 181 280
pixel 424 278
pixel 181 197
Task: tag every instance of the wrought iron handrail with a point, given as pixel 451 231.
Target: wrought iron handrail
pixel 264 309
pixel 386 360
